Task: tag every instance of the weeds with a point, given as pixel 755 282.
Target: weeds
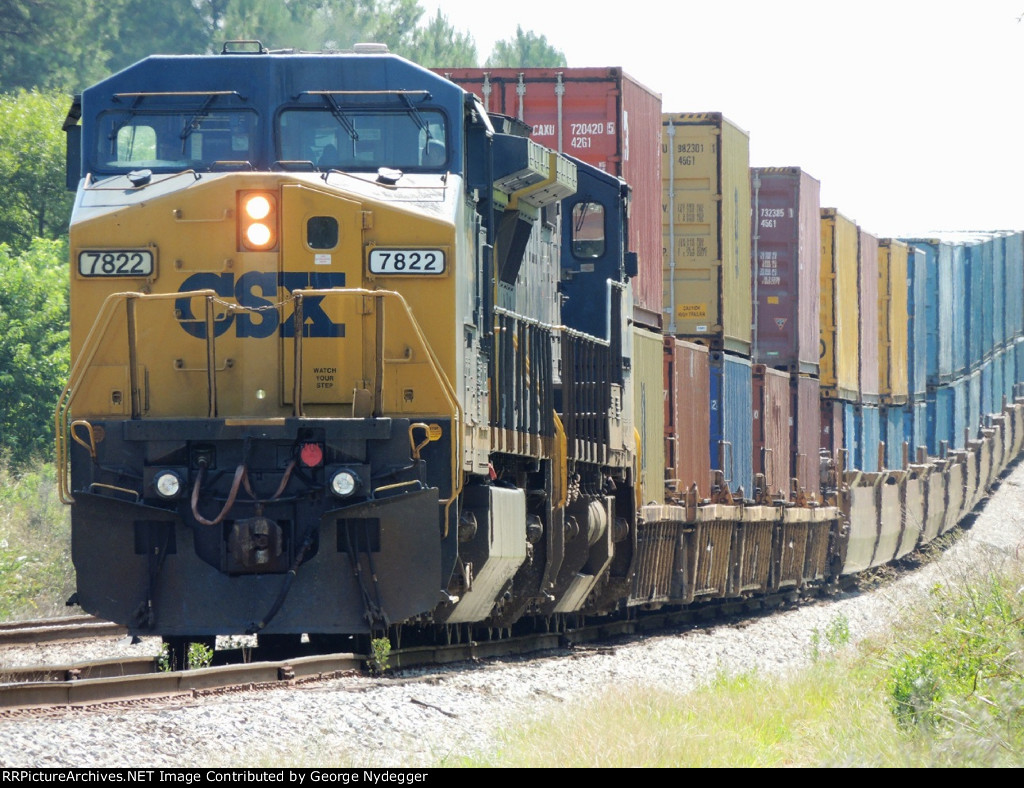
pixel 199 656
pixel 836 636
pixel 380 652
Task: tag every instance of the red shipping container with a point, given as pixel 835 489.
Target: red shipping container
pixel 771 423
pixel 867 277
pixel 805 436
pixel 785 260
pixel 687 416
pixel 605 118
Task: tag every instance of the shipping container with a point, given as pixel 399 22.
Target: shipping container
pixel 785 256
pixel 687 414
pixel 958 322
pixel 868 437
pixel 974 258
pixel 867 277
pixel 706 230
pixel 892 428
pixel 1009 375
pixel 851 435
pixel 805 437
pixel 601 116
pixel 838 321
pixel 1014 252
pixel 1018 352
pixel 893 378
pixel 969 415
pixel 833 437
pixel 987 391
pixel 649 411
pixel 915 426
pixel 917 323
pixel 997 288
pixel 941 407
pixel 939 294
pixel 731 443
pixel 771 427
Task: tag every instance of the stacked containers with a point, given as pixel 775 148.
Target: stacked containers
pixel 687 414
pixel 731 444
pixel 785 258
pixel 867 424
pixel 893 377
pixel 603 117
pixel 916 411
pixel 706 230
pixel 974 316
pixel 771 427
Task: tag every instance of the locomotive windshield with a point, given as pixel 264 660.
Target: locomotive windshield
pixel 363 139
pixel 177 131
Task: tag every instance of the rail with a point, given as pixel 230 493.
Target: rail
pixel 67 430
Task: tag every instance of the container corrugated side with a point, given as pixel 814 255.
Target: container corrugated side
pixel 868 322
pixel 771 427
pixel 940 321
pixel 998 289
pixel 941 403
pixel 785 255
pixel 706 230
pixel 915 426
pixel 649 410
pixel 998 368
pixel 731 444
pixel 851 435
pixel 601 116
pixel 917 323
pixel 869 437
pixel 1018 352
pixel 1014 286
pixel 838 321
pixel 805 438
pixel 893 341
pixel 688 413
pixel 959 302
pixel 967 416
pixel 974 257
pixel 891 426
pixel 1009 373
pixel 987 389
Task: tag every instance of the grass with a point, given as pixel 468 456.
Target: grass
pixel 36 575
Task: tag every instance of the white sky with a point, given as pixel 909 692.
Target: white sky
pixel 908 112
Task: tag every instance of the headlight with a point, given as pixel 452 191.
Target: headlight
pixel 344 483
pixel 167 484
pixel 257 221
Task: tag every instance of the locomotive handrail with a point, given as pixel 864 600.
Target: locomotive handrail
pixel 432 361
pixel 84 362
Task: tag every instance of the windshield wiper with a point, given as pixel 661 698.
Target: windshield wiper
pixel 416 116
pixel 341 117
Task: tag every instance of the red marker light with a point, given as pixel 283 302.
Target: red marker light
pixel 311 454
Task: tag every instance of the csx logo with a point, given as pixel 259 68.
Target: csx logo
pixel 259 291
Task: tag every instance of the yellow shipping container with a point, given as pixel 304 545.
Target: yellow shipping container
pixel 706 230
pixel 648 367
pixel 893 382
pixel 840 359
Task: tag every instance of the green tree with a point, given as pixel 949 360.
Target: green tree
pixel 438 45
pixel 55 43
pixel 525 50
pixel 338 24
pixel 34 200
pixel 33 346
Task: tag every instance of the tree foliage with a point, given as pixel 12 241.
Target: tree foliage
pixel 33 346
pixel 438 44
pixel 525 50
pixel 34 200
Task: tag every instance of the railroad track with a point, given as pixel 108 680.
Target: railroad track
pixel 51 630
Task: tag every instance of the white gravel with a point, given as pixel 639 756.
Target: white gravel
pixel 360 721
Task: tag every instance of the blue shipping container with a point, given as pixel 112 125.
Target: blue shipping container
pixel 1009 371
pixel 869 437
pixel 915 426
pixel 976 312
pixel 1014 258
pixel 987 391
pixel 850 438
pixel 971 418
pixel 960 354
pixel 892 432
pixel 917 322
pixel 939 296
pixel 1018 352
pixel 998 368
pixel 732 439
pixel 941 406
pixel 998 289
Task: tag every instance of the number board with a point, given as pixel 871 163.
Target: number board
pixel 407 262
pixel 115 262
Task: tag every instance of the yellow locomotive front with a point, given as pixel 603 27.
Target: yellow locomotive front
pixel 261 431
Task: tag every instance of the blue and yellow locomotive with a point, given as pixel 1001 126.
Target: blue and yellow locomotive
pixel 347 353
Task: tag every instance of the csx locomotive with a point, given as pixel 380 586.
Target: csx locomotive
pixel 349 353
